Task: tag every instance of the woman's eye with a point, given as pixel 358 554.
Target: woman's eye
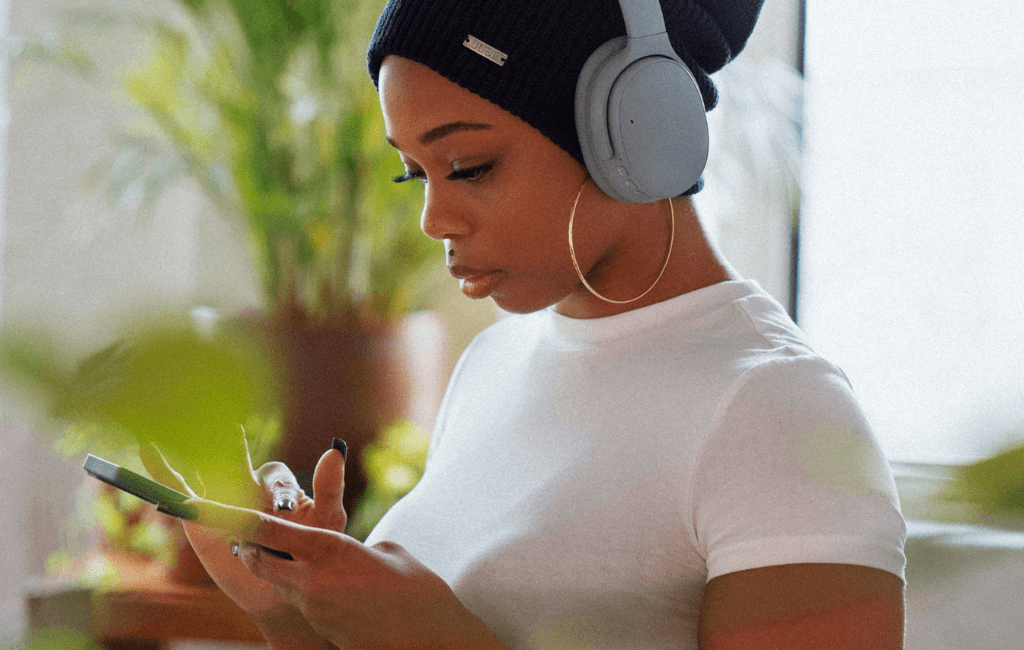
pixel 467 174
pixel 471 173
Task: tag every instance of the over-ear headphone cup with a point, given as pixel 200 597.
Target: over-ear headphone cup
pixel 656 119
pixel 641 122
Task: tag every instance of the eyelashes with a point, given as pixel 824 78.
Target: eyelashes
pixel 408 176
pixel 468 174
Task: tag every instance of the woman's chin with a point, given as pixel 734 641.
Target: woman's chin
pixel 519 304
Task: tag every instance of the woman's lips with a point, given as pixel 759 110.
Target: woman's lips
pixel 475 283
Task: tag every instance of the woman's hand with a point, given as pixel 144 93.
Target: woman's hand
pixel 273 488
pixel 353 595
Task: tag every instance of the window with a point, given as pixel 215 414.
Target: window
pixel 912 218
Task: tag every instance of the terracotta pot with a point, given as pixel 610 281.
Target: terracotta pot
pixel 330 386
pixel 348 380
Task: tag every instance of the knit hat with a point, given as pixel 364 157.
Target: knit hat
pixel 528 54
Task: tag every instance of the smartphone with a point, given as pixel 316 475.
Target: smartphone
pixel 166 500
pixel 132 483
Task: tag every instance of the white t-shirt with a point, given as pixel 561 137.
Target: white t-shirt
pixel 588 477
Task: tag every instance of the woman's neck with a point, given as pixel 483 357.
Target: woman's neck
pixel 694 264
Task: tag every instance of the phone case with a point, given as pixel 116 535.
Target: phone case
pixel 132 483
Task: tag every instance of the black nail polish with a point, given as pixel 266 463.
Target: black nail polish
pixel 341 446
pixel 236 547
pixel 272 551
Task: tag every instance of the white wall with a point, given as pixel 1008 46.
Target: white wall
pixel 12 529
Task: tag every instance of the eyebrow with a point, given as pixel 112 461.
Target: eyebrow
pixel 445 130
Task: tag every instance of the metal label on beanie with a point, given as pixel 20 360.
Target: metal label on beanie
pixel 485 50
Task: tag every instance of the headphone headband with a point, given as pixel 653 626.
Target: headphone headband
pixel 642 18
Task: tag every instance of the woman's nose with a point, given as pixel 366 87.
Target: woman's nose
pixel 442 218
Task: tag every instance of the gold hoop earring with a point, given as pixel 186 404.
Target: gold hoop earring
pixel 575 264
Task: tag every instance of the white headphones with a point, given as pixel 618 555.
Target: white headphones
pixel 639 112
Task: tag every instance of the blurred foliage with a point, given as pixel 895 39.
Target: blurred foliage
pixel 393 464
pixel 50 50
pixel 267 105
pixel 87 571
pixel 55 638
pixel 162 382
pixel 128 527
pixel 122 517
pixel 994 484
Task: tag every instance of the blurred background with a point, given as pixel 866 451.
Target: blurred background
pixel 866 169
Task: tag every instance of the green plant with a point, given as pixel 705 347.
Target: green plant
pixel 161 382
pixel 55 638
pixel 393 464
pixel 267 106
pixel 127 528
pixel 994 485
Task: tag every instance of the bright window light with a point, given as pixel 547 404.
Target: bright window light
pixel 912 231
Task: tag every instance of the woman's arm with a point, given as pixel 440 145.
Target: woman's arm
pixel 803 607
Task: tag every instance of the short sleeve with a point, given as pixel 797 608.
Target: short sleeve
pixel 790 472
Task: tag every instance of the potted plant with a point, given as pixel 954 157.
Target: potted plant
pixel 266 105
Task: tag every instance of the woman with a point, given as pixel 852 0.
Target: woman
pixel 647 454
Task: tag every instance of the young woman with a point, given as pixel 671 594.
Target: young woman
pixel 645 454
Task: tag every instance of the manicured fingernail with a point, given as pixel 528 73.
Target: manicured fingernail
pixel 285 504
pixel 179 510
pixel 260 548
pixel 341 446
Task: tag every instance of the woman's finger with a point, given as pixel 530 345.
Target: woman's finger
pixel 281 486
pixel 302 542
pixel 270 564
pixel 329 487
pixel 240 522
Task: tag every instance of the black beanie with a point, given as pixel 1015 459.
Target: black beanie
pixel 543 45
